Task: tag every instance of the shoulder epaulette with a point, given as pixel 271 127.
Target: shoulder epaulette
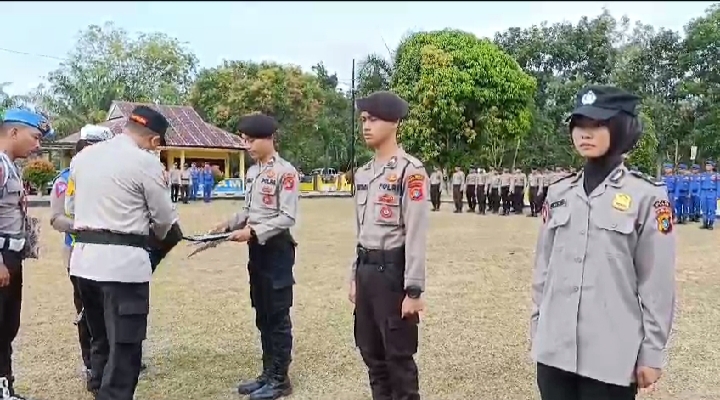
pixel 60 174
pixel 570 175
pixel 647 178
pixel 412 160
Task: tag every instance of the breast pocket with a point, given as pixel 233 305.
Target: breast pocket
pixel 386 209
pixel 617 233
pixel 13 186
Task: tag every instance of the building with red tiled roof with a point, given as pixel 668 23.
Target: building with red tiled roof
pixel 189 138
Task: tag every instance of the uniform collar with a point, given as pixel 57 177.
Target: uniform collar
pixel 616 179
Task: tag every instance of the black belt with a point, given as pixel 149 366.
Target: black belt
pixel 381 257
pixel 107 237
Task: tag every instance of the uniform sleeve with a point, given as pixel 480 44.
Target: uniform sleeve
pixel 717 185
pixel 353 263
pixel 239 219
pixel 415 217
pixel 288 196
pixel 58 219
pixel 655 268
pixel 543 249
pixel 156 197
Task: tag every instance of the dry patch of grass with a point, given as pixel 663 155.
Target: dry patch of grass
pixel 474 344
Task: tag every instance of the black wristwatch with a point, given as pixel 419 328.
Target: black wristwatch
pixel 413 292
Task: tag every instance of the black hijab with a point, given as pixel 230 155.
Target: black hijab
pixel 615 109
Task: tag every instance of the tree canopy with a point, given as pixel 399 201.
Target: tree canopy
pixel 492 102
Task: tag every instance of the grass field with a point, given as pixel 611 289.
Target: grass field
pixel 474 339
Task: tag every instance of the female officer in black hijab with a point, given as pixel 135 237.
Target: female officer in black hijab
pixel 604 274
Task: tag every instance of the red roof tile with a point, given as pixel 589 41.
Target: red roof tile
pixel 187 129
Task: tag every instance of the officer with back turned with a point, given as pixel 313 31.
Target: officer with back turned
pixel 458 183
pixel 20 134
pixel 270 212
pixel 63 222
pixel 121 209
pixel 436 180
pixel 388 274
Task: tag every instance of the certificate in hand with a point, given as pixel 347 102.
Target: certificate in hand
pixel 209 237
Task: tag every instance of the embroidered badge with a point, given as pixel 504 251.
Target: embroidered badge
pixel 70 189
pixel 559 203
pixel 385 212
pixel 386 199
pixel 289 182
pixel 60 189
pixel 622 202
pixel 392 178
pixel 663 216
pixel 267 200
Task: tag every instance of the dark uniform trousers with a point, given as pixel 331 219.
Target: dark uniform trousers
pixel 542 197
pixel 457 197
pixel 10 305
pixel 270 268
pixel 387 342
pixel 185 192
pixel 471 196
pixel 494 200
pixel 435 195
pixel 505 197
pixel 174 192
pixel 556 384
pixel 481 198
pixel 518 199
pixel 83 330
pixel 117 317
pixel 534 200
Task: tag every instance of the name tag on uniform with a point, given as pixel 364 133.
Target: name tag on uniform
pixel 268 181
pixel 559 203
pixel 390 187
pixel 361 186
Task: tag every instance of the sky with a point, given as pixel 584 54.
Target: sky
pixel 301 33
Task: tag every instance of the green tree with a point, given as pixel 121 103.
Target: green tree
pixel 301 102
pixel 644 156
pixel 7 101
pixel 470 102
pixel 108 64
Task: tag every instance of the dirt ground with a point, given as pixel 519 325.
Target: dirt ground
pixel 474 339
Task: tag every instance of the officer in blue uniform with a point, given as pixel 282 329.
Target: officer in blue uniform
pixel 208 182
pixel 20 135
pixel 682 194
pixel 695 209
pixel 709 189
pixel 195 176
pixel 669 179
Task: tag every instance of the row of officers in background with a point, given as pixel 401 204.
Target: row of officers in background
pixel 492 189
pixel 692 192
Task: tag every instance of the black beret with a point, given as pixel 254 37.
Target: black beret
pixel 150 119
pixel 257 126
pixel 384 105
pixel 604 102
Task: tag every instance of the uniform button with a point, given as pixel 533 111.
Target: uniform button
pixel 614 225
pixel 582 232
pixel 578 259
pixel 381 268
pixel 575 288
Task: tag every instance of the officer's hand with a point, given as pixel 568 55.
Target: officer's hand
pixel 4 276
pixel 240 235
pixel 219 228
pixel 647 377
pixel 353 290
pixel 412 307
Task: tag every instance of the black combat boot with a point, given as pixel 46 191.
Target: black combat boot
pixel 277 384
pixel 248 387
pixel 6 389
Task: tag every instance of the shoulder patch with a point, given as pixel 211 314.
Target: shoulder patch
pixel 647 178
pixel 571 175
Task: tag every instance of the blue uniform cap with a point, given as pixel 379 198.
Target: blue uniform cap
pixel 695 166
pixel 710 162
pixel 29 118
pixel 682 166
pixel 668 166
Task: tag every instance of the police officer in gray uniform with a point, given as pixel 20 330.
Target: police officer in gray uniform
pixel 271 207
pixel 121 209
pixel 20 135
pixel 388 273
pixel 607 237
pixel 62 222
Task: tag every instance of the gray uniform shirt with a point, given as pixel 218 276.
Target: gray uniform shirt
pixel 494 180
pixel 615 250
pixel 271 203
pixel 117 187
pixel 458 178
pixel 250 176
pixel 535 179
pixel 12 194
pixel 391 211
pixel 175 176
pixel 506 179
pixel 519 179
pixel 436 178
pixel 471 179
pixel 58 219
pixel 185 177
